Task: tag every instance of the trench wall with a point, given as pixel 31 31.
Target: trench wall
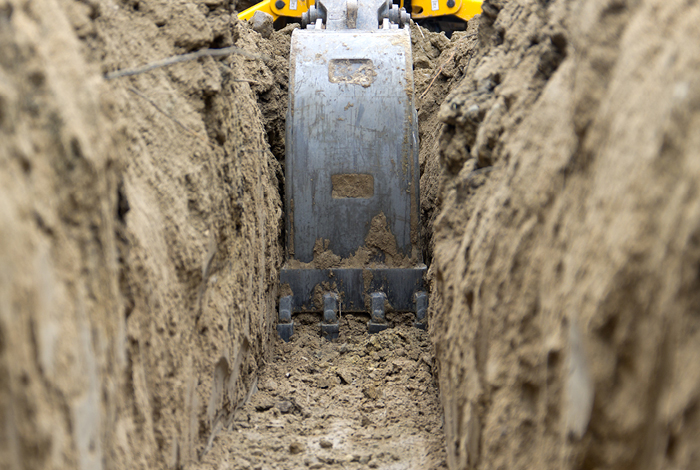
pixel 139 230
pixel 566 262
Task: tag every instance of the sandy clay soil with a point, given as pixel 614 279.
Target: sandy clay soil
pixel 141 238
pixel 360 401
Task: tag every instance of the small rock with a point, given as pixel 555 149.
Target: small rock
pixel 270 385
pixel 285 407
pixel 364 460
pixel 296 447
pixel 316 465
pixel 264 405
pixel 344 348
pixel 345 377
pixel 262 23
pixel 373 465
pixel 371 392
pixel 325 443
pixel 365 421
pixel 327 382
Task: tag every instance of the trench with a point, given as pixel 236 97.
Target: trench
pixel 358 401
pixel 141 242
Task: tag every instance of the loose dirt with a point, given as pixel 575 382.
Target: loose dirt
pixel 357 402
pixel 380 250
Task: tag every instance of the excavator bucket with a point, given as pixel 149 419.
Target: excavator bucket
pixel 352 174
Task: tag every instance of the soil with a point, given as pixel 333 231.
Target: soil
pixel 140 246
pixel 439 66
pixel 565 266
pixel 379 250
pixel 356 402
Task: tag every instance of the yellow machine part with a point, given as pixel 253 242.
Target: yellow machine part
pixel 277 8
pixel 422 9
pixel 463 9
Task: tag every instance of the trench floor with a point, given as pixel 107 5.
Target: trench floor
pixel 361 401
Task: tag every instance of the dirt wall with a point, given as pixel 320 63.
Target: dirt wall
pixel 139 231
pixel 565 308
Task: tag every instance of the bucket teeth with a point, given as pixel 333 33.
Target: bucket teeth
pixel 285 325
pixel 377 321
pixel 421 300
pixel 329 326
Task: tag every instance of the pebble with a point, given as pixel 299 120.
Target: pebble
pixel 371 392
pixel 364 460
pixel 262 23
pixel 296 448
pixel 270 385
pixel 325 443
pixel 285 406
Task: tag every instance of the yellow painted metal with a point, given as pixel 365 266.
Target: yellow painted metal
pixel 269 6
pixel 464 9
pixel 422 9
pixel 264 6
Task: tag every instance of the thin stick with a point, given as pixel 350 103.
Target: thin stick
pixel 184 58
pixel 437 74
pixel 158 108
pixel 247 81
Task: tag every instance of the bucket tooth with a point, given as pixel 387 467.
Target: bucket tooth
pixel 421 299
pixel 329 327
pixel 377 321
pixel 285 325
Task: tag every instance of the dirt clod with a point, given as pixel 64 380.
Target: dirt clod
pixel 325 443
pixel 296 448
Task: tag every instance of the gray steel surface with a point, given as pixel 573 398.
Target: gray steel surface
pixel 351 112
